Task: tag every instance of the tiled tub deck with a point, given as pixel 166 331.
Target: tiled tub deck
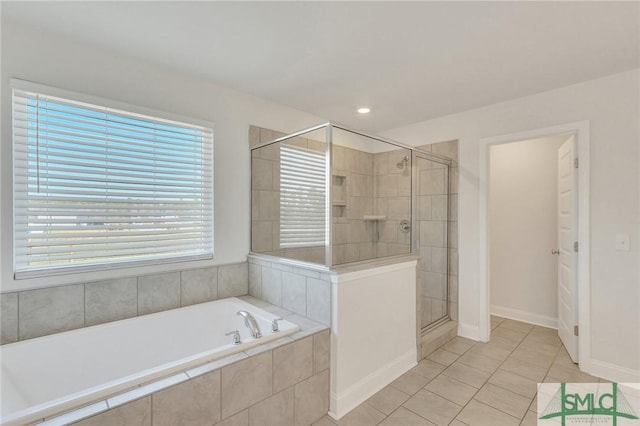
pixel 283 382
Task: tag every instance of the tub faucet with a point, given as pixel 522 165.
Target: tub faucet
pixel 251 324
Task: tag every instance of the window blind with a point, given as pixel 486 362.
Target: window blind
pixel 96 187
pixel 302 197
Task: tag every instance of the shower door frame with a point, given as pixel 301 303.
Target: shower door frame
pixel 415 240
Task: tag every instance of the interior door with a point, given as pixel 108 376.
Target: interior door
pixel 568 246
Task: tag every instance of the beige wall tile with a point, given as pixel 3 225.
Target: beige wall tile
pixel 233 280
pixel 158 292
pixel 261 174
pixel 50 310
pixel 194 402
pixel 110 300
pixel 255 280
pixel 8 318
pixel 275 410
pixel 269 205
pixel 198 286
pixel 321 351
pixel 272 285
pixel 319 300
pixel 294 293
pixel 136 413
pixel 261 237
pixel 292 363
pixel 312 398
pixel 246 383
pixel 240 419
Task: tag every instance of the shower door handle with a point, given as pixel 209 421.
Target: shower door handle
pixel 405 226
pixel 555 251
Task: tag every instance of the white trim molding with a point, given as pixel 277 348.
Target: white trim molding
pixel 518 315
pixel 581 130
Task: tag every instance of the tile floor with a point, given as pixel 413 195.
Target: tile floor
pixel 472 383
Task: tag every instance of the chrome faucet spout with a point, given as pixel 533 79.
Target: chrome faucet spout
pixel 251 324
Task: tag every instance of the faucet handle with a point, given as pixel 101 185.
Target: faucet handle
pixel 274 325
pixel 236 336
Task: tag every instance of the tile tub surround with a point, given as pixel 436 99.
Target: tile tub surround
pixel 302 289
pixel 33 313
pixel 283 382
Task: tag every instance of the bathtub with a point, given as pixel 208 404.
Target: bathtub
pixel 45 376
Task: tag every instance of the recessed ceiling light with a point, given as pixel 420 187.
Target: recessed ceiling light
pixel 364 110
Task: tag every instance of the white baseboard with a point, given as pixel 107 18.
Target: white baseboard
pixel 469 331
pixel 613 372
pixel 341 404
pixel 528 317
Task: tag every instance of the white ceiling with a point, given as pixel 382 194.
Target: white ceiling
pixel 408 61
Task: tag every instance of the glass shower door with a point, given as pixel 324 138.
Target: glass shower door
pixel 432 206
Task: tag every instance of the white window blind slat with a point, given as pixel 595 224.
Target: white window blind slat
pixel 302 197
pixel 97 187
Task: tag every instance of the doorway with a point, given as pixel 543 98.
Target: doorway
pixel 580 132
pixel 531 272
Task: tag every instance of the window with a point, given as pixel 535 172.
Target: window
pixel 302 197
pixel 97 187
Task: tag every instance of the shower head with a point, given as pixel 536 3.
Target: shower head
pixel 403 163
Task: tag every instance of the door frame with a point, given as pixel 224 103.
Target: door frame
pixel 581 130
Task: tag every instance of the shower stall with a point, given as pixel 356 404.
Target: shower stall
pixel 332 196
pixel 352 230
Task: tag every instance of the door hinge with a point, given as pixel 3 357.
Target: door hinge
pixel 575 163
pixel 576 330
pixel 575 246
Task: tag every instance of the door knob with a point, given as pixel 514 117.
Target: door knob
pixel 555 251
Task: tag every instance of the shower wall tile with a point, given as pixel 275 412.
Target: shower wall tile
pixel 198 286
pixel 394 249
pixel 269 205
pixel 110 300
pixel 424 207
pixel 380 164
pixel 386 186
pixel 448 149
pixel 439 207
pixel 158 292
pixel 432 234
pixel 233 280
pixel 254 136
pixel 294 293
pixel 432 182
pixel 261 236
pixel 351 252
pixel 8 318
pixel 404 185
pixel 399 208
pixel 50 310
pixel 261 174
pixel 439 260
